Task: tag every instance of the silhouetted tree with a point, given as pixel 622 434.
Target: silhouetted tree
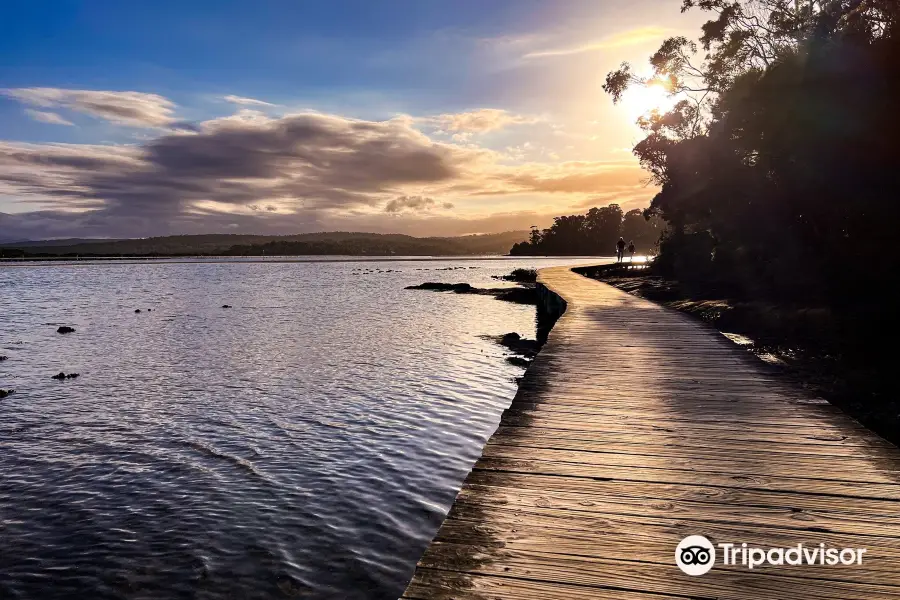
pixel 778 165
pixel 594 233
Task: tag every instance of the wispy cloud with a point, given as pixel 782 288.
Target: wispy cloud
pixel 47 117
pixel 626 38
pixel 246 101
pixel 414 203
pixel 133 109
pixel 479 121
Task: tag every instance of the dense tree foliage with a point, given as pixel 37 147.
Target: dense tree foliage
pixel 594 233
pixel 778 166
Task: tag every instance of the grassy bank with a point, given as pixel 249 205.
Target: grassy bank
pixel 811 345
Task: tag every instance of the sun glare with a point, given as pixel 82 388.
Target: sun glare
pixel 640 100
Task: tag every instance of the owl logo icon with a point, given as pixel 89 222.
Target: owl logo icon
pixel 695 555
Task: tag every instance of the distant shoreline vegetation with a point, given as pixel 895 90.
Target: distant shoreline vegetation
pixel 310 244
pixel 594 233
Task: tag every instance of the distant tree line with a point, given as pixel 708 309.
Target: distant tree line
pixel 594 233
pixel 323 243
pixel 779 167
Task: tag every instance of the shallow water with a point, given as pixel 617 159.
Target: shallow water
pixel 306 442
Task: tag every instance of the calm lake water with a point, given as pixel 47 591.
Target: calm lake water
pixel 305 443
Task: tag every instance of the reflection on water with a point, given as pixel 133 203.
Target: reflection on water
pixel 304 443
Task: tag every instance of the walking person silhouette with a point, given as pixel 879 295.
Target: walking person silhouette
pixel 620 249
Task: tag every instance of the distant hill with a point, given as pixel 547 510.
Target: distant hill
pixel 337 243
pixel 47 243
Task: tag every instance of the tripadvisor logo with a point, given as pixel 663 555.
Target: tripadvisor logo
pixel 696 555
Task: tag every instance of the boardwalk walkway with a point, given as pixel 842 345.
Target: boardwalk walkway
pixel 637 426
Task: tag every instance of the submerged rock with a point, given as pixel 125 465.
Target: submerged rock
pixel 459 288
pixel 65 329
pixel 520 345
pixel 518 361
pixel 62 376
pixel 510 338
pixel 519 276
pixel 5 393
pixel 519 295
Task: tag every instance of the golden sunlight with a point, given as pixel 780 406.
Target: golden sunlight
pixel 638 100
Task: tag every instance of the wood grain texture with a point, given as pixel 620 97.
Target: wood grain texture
pixel 637 426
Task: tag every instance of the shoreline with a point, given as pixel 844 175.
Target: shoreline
pixel 305 258
pixel 528 290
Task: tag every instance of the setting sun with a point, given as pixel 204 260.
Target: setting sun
pixel 639 100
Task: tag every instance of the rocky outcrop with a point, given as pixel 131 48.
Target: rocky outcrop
pixel 62 376
pixel 459 288
pixel 519 295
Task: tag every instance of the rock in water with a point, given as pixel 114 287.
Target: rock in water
pixel 5 393
pixel 62 376
pixel 519 295
pixel 2 358
pixel 226 306
pixel 65 329
pixel 518 361
pixel 510 338
pixel 137 310
pixel 520 345
pixel 459 288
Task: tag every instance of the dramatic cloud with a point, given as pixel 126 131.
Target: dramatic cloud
pixel 300 172
pixel 312 161
pixel 414 203
pixel 246 101
pixel 627 38
pixel 47 117
pixel 134 109
pixel 480 121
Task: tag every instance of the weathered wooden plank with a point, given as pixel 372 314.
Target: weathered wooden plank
pixel 722 434
pixel 637 491
pixel 786 517
pixel 816 446
pixel 847 470
pixel 759 481
pixel 637 444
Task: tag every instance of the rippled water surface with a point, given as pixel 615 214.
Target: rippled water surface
pixel 306 442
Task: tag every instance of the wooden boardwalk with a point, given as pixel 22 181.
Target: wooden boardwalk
pixel 637 426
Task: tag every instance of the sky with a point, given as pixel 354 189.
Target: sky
pixel 426 117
